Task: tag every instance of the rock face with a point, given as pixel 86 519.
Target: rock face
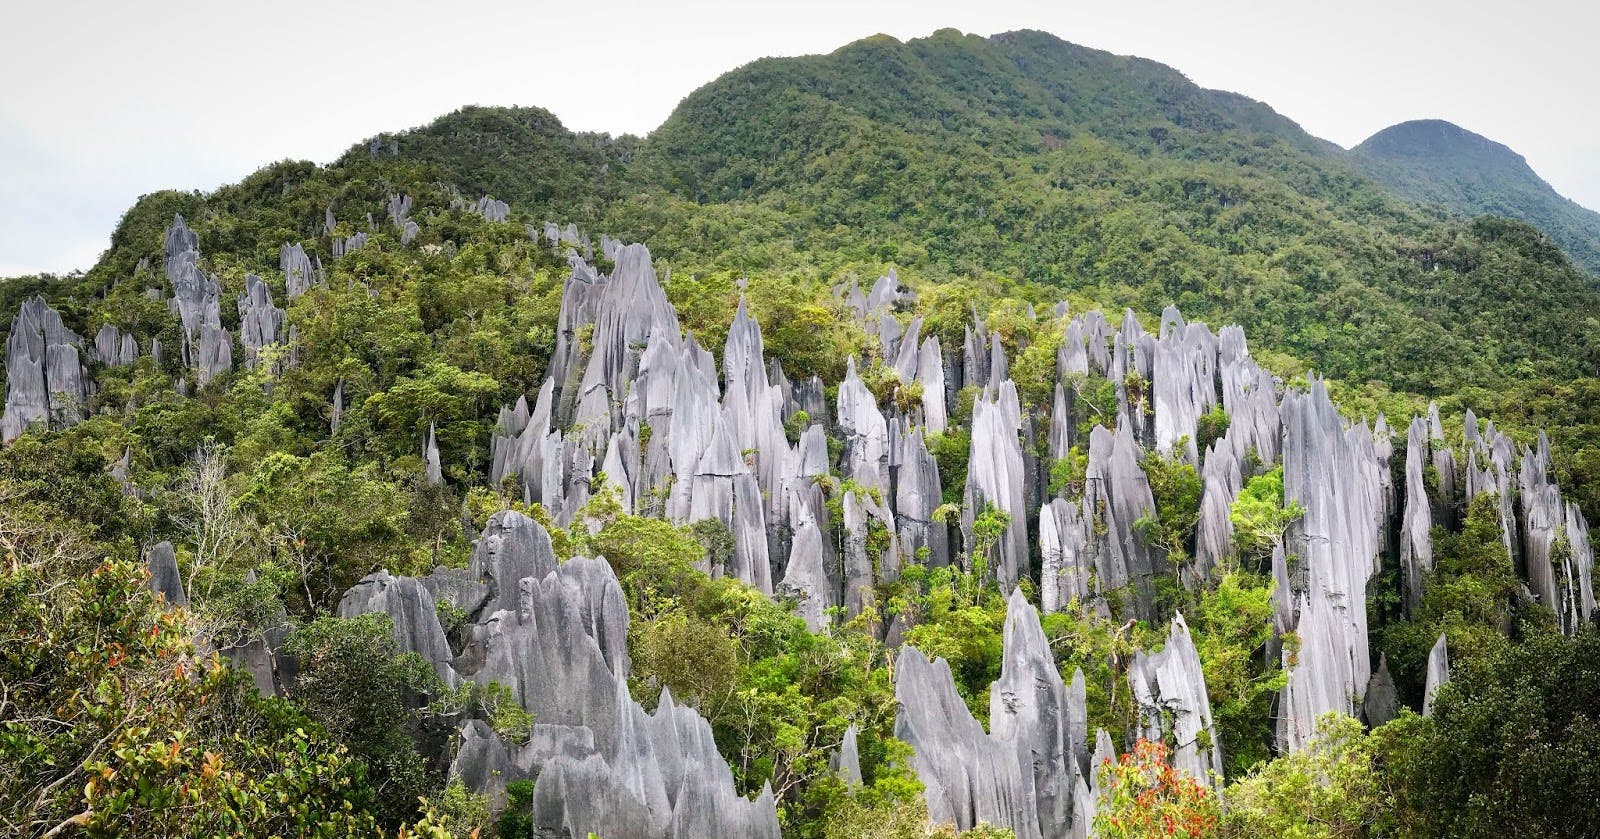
pixel 299 273
pixel 995 479
pixel 46 383
pixel 1119 495
pixel 114 348
pixel 1067 567
pixel 1043 719
pixel 555 635
pixel 1416 548
pixel 261 324
pixel 1382 702
pixel 197 300
pixel 1438 674
pixel 412 613
pixel 1171 692
pixel 1332 473
pixel 493 210
pixel 968 776
pixel 165 580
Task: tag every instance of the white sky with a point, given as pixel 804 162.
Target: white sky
pixel 104 101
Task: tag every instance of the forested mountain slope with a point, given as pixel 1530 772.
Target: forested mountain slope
pixel 798 469
pixel 1435 162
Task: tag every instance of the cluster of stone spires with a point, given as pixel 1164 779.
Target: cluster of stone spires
pixel 633 397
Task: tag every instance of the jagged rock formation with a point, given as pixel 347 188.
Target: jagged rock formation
pixel 493 210
pixel 1118 495
pixel 1332 473
pixel 846 762
pixel 996 478
pixel 113 347
pixel 1382 702
pixel 346 245
pixel 917 495
pixel 299 272
pixel 433 469
pixel 1031 772
pixel 1171 692
pixel 1067 566
pixel 555 635
pixel 412 613
pixel 1556 554
pixel 197 300
pixel 260 322
pixel 46 383
pixel 968 776
pixel 165 579
pixel 1416 548
pixel 1438 673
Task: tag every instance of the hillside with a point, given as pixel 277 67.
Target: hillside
pixel 967 436
pixel 1435 162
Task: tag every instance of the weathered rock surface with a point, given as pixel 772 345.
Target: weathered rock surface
pixel 1170 690
pixel 968 776
pixel 1332 473
pixel 413 616
pixel 1416 546
pixel 1119 495
pixel 46 383
pixel 995 478
pixel 299 273
pixel 261 324
pixel 1438 674
pixel 197 300
pixel 165 579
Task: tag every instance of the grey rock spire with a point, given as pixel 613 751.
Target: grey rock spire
pixel 46 383
pixel 995 479
pixel 1170 689
pixel 1332 473
pixel 1438 673
pixel 165 579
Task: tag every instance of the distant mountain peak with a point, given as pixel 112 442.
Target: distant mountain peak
pixel 1438 162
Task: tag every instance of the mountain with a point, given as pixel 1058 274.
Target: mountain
pixel 833 460
pixel 1436 162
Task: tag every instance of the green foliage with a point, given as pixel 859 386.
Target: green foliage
pixel 1260 517
pixel 1330 789
pixel 1068 475
pixel 1177 488
pixel 1233 626
pixel 1211 426
pixel 1434 162
pixel 993 174
pixel 1511 746
pixel 112 726
pixel 1472 597
pixel 355 684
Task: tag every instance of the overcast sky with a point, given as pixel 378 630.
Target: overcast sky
pixel 104 101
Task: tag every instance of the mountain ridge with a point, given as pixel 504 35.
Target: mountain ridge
pixel 1436 161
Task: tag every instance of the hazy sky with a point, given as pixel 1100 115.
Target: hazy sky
pixel 104 101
